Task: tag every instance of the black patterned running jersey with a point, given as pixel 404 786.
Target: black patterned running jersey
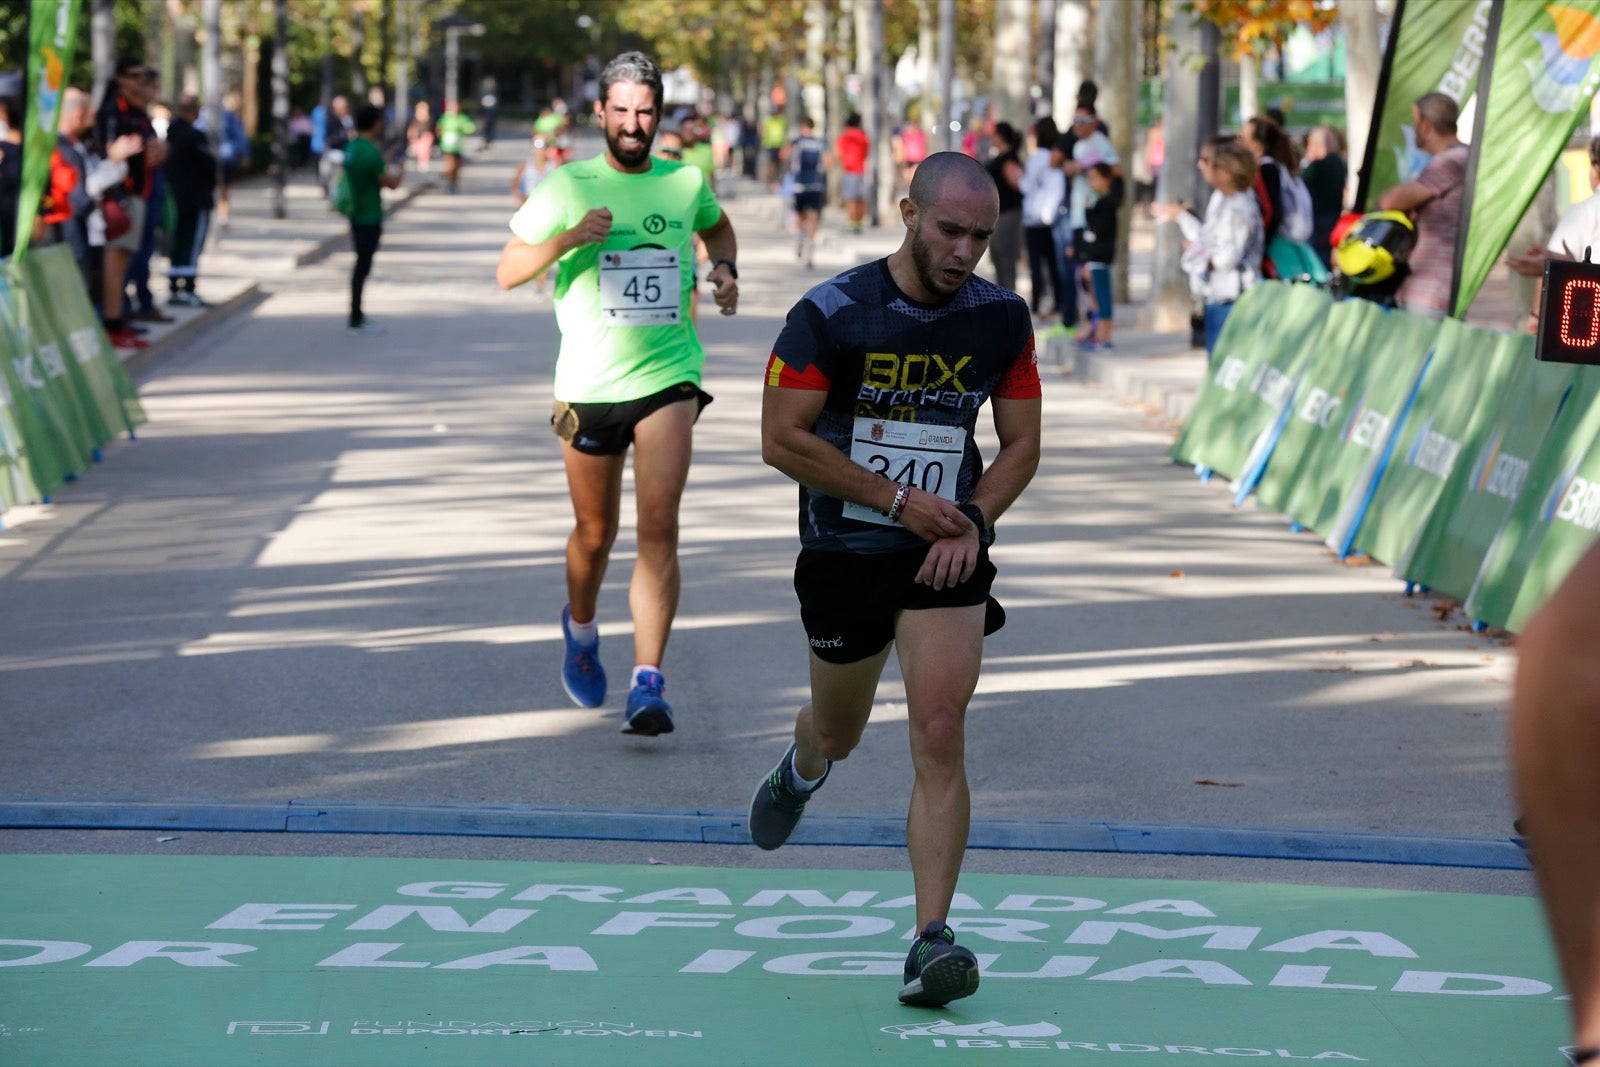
pixel 905 382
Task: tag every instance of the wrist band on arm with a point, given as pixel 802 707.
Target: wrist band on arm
pixel 901 495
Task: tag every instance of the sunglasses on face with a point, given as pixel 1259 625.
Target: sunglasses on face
pixel 672 153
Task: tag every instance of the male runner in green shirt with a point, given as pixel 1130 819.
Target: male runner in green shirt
pixel 453 129
pixel 629 369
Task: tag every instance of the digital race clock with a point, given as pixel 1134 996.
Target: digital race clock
pixel 1569 312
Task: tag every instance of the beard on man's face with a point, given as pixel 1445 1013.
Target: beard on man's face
pixel 629 150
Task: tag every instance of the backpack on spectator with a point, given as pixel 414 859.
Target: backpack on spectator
pixel 1296 202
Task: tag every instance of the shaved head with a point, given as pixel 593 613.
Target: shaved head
pixel 928 183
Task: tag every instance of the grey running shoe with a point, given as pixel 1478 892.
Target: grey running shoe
pixel 938 970
pixel 776 808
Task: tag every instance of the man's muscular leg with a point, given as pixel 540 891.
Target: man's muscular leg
pixel 830 726
pixel 662 449
pixel 941 650
pixel 595 484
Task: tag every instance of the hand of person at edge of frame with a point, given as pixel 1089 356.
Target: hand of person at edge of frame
pixel 724 290
pixel 593 227
pixel 933 518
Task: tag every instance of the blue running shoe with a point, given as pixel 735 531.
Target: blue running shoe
pixel 648 713
pixel 581 674
pixel 938 970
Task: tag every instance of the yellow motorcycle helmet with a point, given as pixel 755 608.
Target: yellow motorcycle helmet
pixel 1372 249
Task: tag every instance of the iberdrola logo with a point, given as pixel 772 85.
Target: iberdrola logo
pixel 1557 80
pixel 51 74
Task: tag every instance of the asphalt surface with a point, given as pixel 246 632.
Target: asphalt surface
pixel 331 568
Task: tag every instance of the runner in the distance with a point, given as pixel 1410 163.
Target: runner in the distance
pixel 629 368
pixel 873 393
pixel 809 161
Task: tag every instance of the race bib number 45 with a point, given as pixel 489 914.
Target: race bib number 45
pixel 915 454
pixel 640 288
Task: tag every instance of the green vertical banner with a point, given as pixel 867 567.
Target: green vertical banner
pixel 1469 365
pixel 1537 91
pixel 1268 337
pixel 49 449
pixel 1345 410
pixel 50 276
pixel 1438 48
pixel 1555 518
pixel 52 32
pixel 1483 486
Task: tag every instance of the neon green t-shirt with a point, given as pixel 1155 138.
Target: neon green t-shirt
pixel 700 155
pixel 601 362
pixel 453 130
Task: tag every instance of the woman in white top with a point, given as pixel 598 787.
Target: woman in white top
pixel 1044 190
pixel 1222 255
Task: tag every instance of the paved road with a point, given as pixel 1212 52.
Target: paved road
pixel 331 568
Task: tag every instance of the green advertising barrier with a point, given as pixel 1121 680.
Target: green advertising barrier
pixel 175 960
pixel 50 278
pixel 1475 501
pixel 1468 365
pixel 1268 336
pixel 47 414
pixel 1554 519
pixel 1345 409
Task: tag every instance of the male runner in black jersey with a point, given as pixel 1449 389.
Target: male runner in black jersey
pixel 873 392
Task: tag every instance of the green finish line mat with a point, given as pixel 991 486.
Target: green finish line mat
pixel 168 961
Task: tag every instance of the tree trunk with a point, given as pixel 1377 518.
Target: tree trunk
pixel 947 75
pixel 1044 58
pixel 211 77
pixel 1170 301
pixel 358 71
pixel 927 63
pixel 280 108
pixel 402 67
pixel 1072 56
pixel 1013 54
pixel 814 95
pixel 1363 60
pixel 1116 68
pixel 103 46
pixel 868 59
pixel 1249 88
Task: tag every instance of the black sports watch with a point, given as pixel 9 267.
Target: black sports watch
pixel 975 513
pixel 733 268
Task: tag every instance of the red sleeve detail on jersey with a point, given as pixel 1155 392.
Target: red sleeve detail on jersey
pixel 783 376
pixel 1021 380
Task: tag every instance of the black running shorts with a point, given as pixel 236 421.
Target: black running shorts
pixel 849 601
pixel 607 429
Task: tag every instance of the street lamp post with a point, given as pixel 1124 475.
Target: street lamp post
pixel 454 26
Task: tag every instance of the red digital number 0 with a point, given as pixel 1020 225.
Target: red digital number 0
pixel 1564 333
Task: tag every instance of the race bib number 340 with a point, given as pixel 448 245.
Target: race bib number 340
pixel 640 288
pixel 915 454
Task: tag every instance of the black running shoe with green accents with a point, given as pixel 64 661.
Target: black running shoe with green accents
pixel 776 808
pixel 938 970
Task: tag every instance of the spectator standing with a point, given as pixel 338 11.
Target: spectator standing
pixel 319 134
pixel 121 114
pixel 335 137
pixel 78 180
pixel 1155 155
pixel 192 177
pixel 1221 255
pixel 913 149
pixel 1283 199
pixel 140 306
pixel 1005 167
pixel 851 148
pixel 1433 199
pixel 1044 193
pixel 1577 231
pixel 233 150
pixel 774 136
pixel 300 130
pixel 489 110
pixel 1090 144
pixel 368 175
pixel 454 129
pixel 1324 173
pixel 420 135
pixel 1097 249
pixel 10 171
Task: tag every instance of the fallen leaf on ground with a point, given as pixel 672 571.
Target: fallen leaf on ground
pixel 1175 574
pixel 1443 608
pixel 1217 781
pixel 1343 668
pixel 1418 663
